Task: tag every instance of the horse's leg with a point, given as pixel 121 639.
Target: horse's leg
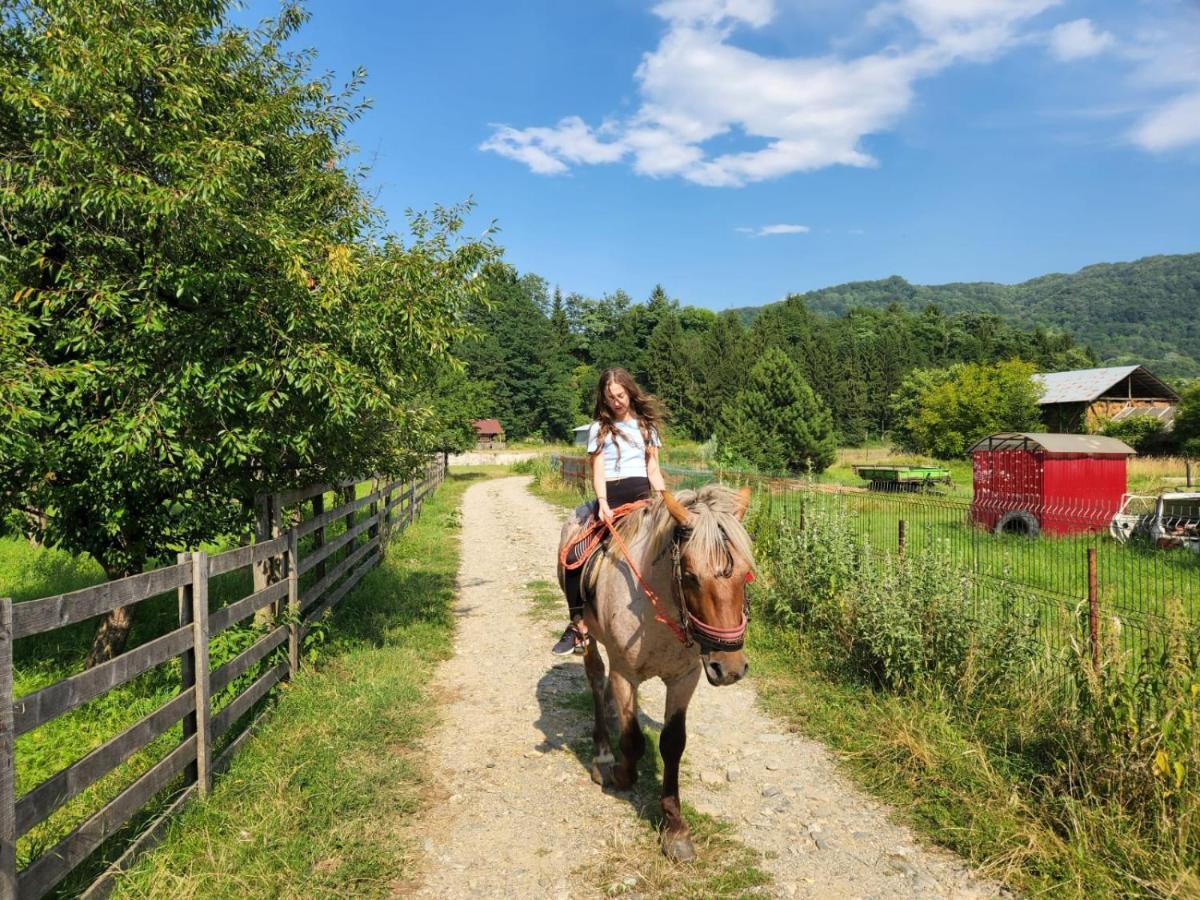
pixel 602 761
pixel 633 743
pixel 676 839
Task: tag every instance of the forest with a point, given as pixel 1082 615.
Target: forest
pixel 1142 312
pixel 538 353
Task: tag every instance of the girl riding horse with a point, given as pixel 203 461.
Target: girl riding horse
pixel 623 444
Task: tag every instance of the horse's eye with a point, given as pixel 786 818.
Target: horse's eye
pixel 690 578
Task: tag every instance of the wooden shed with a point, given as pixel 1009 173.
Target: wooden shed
pixel 489 434
pixel 1026 483
pixel 1083 400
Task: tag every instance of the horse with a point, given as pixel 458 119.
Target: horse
pixel 667 601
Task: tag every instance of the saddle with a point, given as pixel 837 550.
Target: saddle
pixel 580 553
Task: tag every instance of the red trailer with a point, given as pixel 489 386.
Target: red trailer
pixel 1057 483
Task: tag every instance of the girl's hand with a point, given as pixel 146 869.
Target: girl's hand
pixel 606 515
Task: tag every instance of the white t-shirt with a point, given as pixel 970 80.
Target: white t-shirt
pixel 632 463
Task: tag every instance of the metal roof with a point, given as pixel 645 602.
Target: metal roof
pixel 1085 385
pixel 487 426
pixel 1164 414
pixel 1054 443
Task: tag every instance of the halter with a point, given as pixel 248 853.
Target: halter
pixel 710 638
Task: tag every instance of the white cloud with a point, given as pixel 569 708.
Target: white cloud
pixel 548 150
pixel 782 229
pixel 1166 60
pixel 768 230
pixel 712 12
pixel 964 29
pixel 1173 125
pixel 1078 39
pixel 795 114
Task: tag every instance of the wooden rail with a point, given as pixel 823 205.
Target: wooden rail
pixel 186 769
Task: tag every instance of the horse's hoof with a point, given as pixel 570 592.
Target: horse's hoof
pixel 678 847
pixel 623 779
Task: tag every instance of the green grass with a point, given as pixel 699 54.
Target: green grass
pixel 319 801
pixel 546 601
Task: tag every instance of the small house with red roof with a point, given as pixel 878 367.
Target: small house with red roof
pixel 489 434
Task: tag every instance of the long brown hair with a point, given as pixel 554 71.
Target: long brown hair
pixel 647 409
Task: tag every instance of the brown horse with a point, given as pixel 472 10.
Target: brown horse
pixel 673 606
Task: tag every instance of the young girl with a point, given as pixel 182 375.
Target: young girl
pixel 623 447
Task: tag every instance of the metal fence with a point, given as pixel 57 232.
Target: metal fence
pixel 1132 576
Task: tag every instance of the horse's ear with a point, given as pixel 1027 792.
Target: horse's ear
pixel 743 502
pixel 679 512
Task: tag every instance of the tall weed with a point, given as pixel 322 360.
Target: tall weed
pixel 1107 756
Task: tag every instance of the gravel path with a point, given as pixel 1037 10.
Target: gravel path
pixel 516 812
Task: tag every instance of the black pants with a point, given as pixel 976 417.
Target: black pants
pixel 619 491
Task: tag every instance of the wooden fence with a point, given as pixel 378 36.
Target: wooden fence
pixel 278 565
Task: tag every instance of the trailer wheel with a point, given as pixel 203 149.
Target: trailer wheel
pixel 1019 521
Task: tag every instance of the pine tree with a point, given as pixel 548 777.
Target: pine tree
pixel 777 422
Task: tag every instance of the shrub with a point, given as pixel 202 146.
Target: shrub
pixel 1144 434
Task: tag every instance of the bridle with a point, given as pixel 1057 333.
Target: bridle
pixel 689 629
pixel 710 638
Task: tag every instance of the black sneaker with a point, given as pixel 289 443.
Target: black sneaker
pixel 568 642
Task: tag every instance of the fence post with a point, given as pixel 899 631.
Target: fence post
pixel 267 527
pixel 1093 609
pixel 318 506
pixel 200 649
pixel 293 577
pixel 349 495
pixel 8 787
pixel 373 531
pixel 187 661
pixel 1188 469
pixel 412 500
pixel 901 536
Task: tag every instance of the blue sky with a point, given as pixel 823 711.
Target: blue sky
pixel 739 150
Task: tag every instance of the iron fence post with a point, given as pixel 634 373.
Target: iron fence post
pixel 1093 609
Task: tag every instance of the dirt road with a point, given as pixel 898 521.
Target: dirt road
pixel 517 814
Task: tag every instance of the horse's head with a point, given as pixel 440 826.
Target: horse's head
pixel 713 562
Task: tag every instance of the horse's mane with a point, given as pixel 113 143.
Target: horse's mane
pixel 714 510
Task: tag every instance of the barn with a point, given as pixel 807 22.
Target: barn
pixel 489 434
pixel 1083 400
pixel 1026 483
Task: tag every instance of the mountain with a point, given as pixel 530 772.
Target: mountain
pixel 1145 312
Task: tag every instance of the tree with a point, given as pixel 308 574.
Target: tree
pixel 1145 434
pixel 517 354
pixel 558 321
pixel 207 303
pixel 777 422
pixel 1187 421
pixel 972 401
